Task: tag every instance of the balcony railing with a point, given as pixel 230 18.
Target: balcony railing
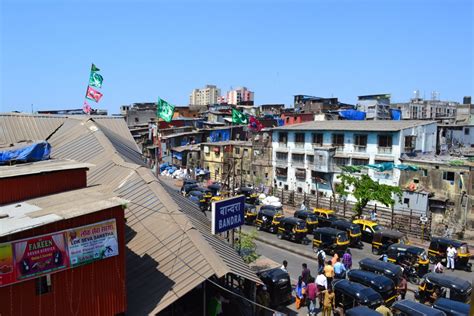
pixel 339 147
pixel 298 163
pixel 282 144
pixel 360 149
pixel 281 163
pixel 385 150
pixel 299 145
pixel 317 145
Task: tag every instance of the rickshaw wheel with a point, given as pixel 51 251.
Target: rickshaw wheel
pixel 279 236
pixel 259 227
pixel 432 260
pixel 414 280
pixel 375 252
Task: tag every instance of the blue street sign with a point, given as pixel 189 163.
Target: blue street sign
pixel 227 214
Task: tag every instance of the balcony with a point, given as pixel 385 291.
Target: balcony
pixel 315 145
pixel 339 147
pixel 297 163
pixel 282 144
pixel 384 150
pixel 299 145
pixel 281 163
pixel 360 149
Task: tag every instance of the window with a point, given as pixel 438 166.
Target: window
pixel 360 142
pixel 43 285
pixel 410 142
pixel 406 201
pixel 415 180
pixel 282 137
pixel 286 187
pixel 300 190
pixel 297 158
pixel 300 174
pixel 136 120
pixel 318 139
pixel 266 175
pixel 237 151
pixel 281 172
pixel 448 175
pixel 385 144
pixel 425 172
pixel 359 162
pixel 466 131
pixel 299 138
pixel 338 140
pixel 310 158
pixel 282 156
pixel 341 161
pixel 313 192
pixel 246 152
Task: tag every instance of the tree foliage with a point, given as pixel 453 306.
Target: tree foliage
pixel 248 248
pixel 364 190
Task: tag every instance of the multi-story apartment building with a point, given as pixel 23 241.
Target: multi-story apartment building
pixel 262 169
pixel 420 109
pixel 239 96
pixel 315 105
pixel 228 161
pixel 308 157
pixel 205 96
pixel 376 106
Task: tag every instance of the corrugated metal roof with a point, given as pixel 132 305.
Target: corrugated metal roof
pixel 166 255
pixel 340 125
pixel 51 165
pixel 234 262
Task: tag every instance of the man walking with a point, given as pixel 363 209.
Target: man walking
pixel 329 273
pixel 284 266
pixel 339 270
pixel 451 252
pixel 321 256
pixel 329 302
pixel 322 285
pixel 402 287
pixel 312 292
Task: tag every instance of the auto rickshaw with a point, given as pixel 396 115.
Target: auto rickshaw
pixel 198 198
pixel 361 311
pixel 215 188
pixel 352 230
pixel 382 239
pixel 268 218
pixel 451 308
pixel 449 286
pixel 409 256
pixel 186 188
pixel 351 294
pixel 251 196
pixel 293 229
pixel 379 283
pixel 411 308
pixel 310 218
pixel 390 270
pixel 206 193
pixel 278 286
pixel 331 240
pixel 325 217
pixel 368 228
pixel 250 213
pixel 437 251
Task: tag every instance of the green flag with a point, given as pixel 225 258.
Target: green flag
pixel 94 68
pixel 239 117
pixel 165 110
pixel 95 80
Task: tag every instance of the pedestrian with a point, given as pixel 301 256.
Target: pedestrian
pixel 451 252
pixel 303 207
pixel 439 268
pixel 284 266
pixel 300 290
pixel 373 215
pixel 384 310
pixel 329 273
pixel 339 270
pixel 311 294
pixel 322 285
pixel 402 287
pixel 328 302
pixel 321 256
pixel 334 258
pixel 347 259
pixel 305 273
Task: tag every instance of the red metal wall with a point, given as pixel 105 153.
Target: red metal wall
pixel 297 118
pixel 92 289
pixel 26 187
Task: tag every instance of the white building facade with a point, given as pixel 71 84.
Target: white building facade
pixel 239 95
pixel 205 96
pixel 308 157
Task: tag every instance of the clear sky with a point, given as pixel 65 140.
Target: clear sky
pixel 276 48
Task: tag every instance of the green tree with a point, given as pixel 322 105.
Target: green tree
pixel 364 190
pixel 247 247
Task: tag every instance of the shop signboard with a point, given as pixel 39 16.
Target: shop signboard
pixel 92 242
pixel 40 255
pixel 7 268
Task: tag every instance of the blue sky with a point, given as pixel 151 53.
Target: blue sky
pixel 277 48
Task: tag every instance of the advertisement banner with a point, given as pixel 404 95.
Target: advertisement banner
pixel 92 242
pixel 40 255
pixel 7 269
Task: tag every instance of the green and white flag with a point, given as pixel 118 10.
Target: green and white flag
pixel 94 68
pixel 95 80
pixel 165 110
pixel 239 117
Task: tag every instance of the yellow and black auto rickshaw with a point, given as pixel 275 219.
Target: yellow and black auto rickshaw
pixel 268 218
pixel 215 188
pixel 293 229
pixel 383 238
pixel 408 255
pixel 446 285
pixel 353 230
pixel 331 240
pixel 250 213
pixel 251 196
pixel 198 197
pixel 325 217
pixel 368 228
pixel 438 247
pixel 310 218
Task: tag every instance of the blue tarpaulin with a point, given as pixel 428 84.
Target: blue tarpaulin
pixel 384 166
pixel 396 114
pixel 29 153
pixel 352 115
pixel 177 155
pixel 220 135
pixel 281 122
